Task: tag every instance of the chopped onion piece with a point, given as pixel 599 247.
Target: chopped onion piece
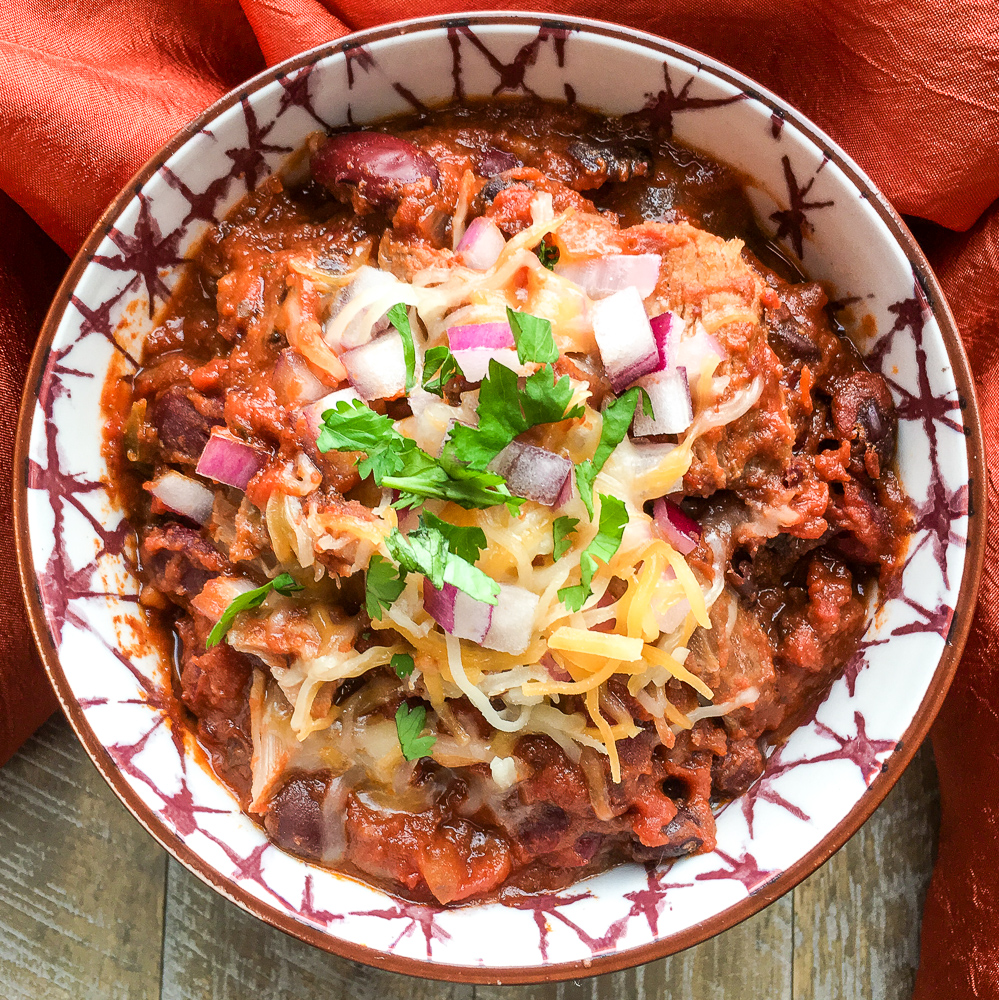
pixel 314 412
pixel 669 392
pixel 294 381
pixel 377 370
pixel 474 363
pixel 456 612
pixel 624 338
pixel 366 279
pixel 602 276
pixel 480 246
pixel 535 473
pixel 480 335
pixel 666 328
pixel 513 620
pixel 183 495
pixel 693 351
pixel 681 531
pixel 228 460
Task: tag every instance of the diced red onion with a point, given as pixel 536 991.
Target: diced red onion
pixel 512 623
pixel 228 460
pixel 669 393
pixel 456 612
pixel 183 495
pixel 556 672
pixel 666 329
pixel 691 352
pixel 480 246
pixel 294 381
pixel 493 336
pixel 377 370
pixel 366 279
pixel 476 344
pixel 475 363
pixel 624 338
pixel 535 473
pixel 681 531
pixel 314 413
pixel 601 276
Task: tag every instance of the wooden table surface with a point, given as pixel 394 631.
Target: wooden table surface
pixel 91 908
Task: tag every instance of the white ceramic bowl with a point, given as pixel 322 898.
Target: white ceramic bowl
pixel 80 589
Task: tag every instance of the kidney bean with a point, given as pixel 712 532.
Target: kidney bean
pixel 380 165
pixel 864 413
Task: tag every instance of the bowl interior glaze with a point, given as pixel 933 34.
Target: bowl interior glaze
pixel 75 559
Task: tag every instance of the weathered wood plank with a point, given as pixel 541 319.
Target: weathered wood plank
pixel 81 883
pixel 856 920
pixel 753 959
pixel 213 949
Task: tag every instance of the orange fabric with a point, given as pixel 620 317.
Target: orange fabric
pixel 908 87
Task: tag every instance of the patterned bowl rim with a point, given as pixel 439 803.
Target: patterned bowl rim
pixel 789 877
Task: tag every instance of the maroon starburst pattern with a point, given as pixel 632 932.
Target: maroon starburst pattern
pixel 548 906
pixel 416 916
pixel 357 55
pixel 204 205
pixel 650 901
pixel 661 107
pixel 510 76
pixel 310 911
pixel 793 222
pixel 859 749
pixel 296 93
pixel 99 320
pixel 744 869
pixel 147 253
pixel 250 161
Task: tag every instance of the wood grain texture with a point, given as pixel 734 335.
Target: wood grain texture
pixel 214 949
pixel 81 883
pixel 751 961
pixel 856 920
pixel 90 909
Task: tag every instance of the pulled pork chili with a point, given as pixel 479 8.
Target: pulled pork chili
pixel 507 494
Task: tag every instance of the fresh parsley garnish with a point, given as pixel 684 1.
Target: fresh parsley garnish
pixel 383 583
pixel 617 417
pixel 547 254
pixel 466 543
pixel 505 410
pixel 533 337
pixel 409 724
pixel 403 665
pixel 398 316
pixel 613 518
pixel 439 367
pixel 427 550
pixel 562 528
pixel 397 463
pixel 283 584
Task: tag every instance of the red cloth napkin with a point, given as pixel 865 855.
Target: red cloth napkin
pixel 908 87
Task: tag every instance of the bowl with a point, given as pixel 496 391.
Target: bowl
pixel 76 560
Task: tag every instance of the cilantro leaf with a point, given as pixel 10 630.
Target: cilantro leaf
pixel 466 543
pixel 533 337
pixel 402 664
pixel 425 550
pixel 617 417
pixel 354 426
pixel 283 584
pixel 398 316
pixel 504 411
pixel 439 367
pixel 547 254
pixel 613 518
pixel 562 528
pixel 397 463
pixel 383 583
pixel 409 724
